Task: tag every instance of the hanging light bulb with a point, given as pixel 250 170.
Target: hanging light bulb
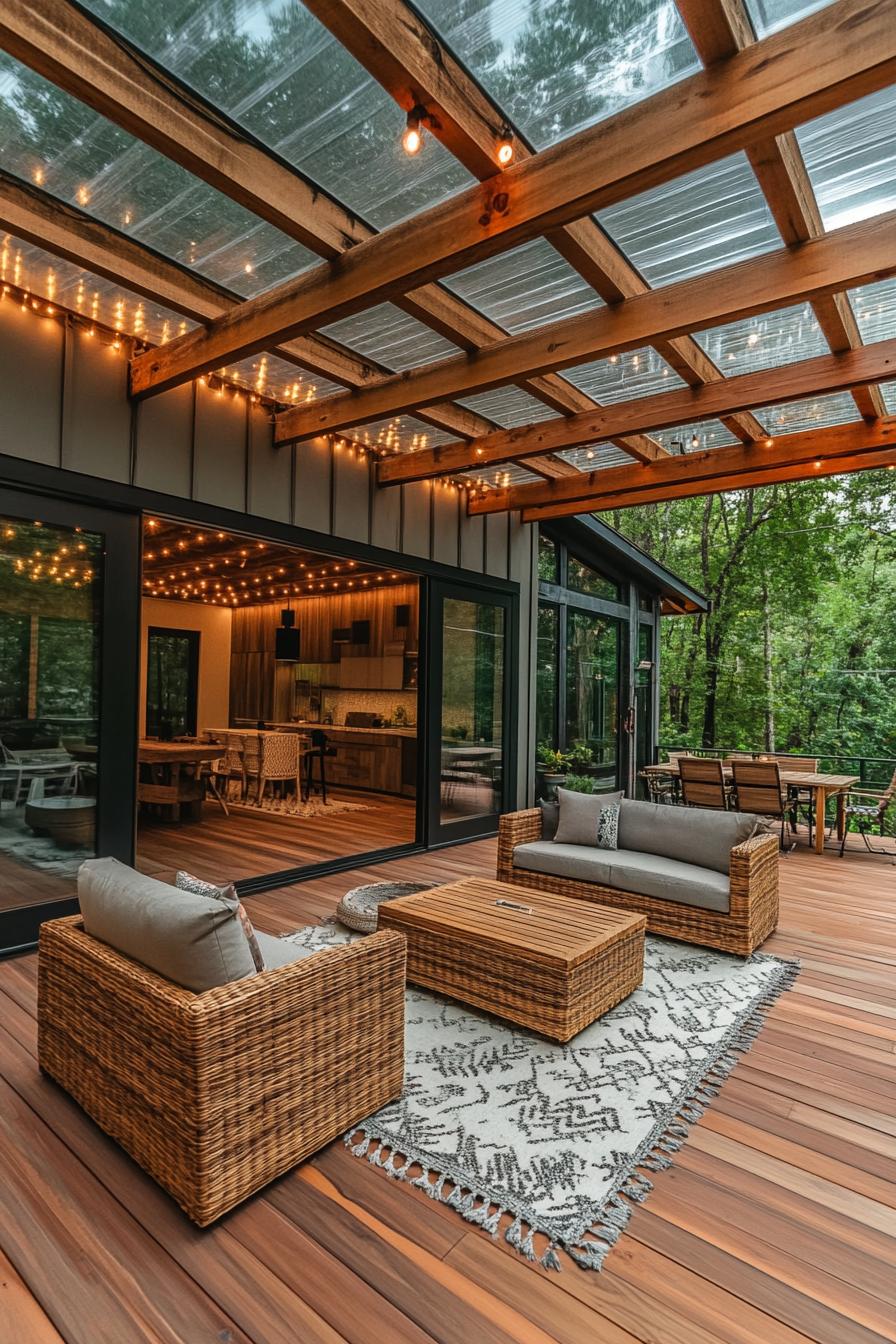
pixel 412 139
pixel 505 147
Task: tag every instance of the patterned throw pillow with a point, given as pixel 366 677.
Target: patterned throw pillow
pixel 608 827
pixel 198 887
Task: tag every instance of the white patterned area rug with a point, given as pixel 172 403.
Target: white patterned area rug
pixel 495 1120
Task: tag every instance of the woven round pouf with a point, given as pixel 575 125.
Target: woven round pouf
pixel 358 907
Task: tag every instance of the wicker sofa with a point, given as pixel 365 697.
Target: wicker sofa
pixel 746 897
pixel 216 1093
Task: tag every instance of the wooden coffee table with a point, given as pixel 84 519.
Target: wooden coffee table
pixel 549 963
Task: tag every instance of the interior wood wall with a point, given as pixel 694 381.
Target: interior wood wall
pixel 63 403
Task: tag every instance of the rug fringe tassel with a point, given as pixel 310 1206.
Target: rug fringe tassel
pixel 592 1247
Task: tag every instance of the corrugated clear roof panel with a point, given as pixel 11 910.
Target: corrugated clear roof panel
pixel 403 433
pixel 389 336
pixel 597 457
pixel 62 146
pixel 889 395
pixel 509 406
pixel 875 310
pixel 636 373
pixel 61 283
pixel 713 217
pixel 274 68
pixel 850 156
pixel 276 378
pixel 556 66
pixel 693 438
pixel 792 417
pixel 770 15
pixel 525 287
pixel 765 341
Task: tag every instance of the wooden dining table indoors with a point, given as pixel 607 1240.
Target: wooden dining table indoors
pixel 169 776
pixel 821 786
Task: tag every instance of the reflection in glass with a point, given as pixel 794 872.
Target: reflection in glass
pixel 546 676
pixel 547 559
pixel 582 578
pixel 472 709
pixel 644 669
pixel 172 677
pixel 50 586
pixel 592 697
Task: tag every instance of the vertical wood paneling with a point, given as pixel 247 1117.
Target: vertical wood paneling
pixel 164 449
pixel 96 422
pixel 270 470
pixel 351 496
pixel 385 527
pixel 30 385
pixel 312 504
pixel 445 516
pixel 219 449
pixel 416 532
pixel 496 544
pixel 471 541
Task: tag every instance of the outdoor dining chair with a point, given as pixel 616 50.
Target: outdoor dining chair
pixel 758 788
pixel 702 782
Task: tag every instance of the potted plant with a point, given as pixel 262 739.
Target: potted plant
pixel 553 766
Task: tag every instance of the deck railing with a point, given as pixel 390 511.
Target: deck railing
pixel 874 772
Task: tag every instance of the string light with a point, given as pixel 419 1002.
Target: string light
pixel 505 147
pixel 412 138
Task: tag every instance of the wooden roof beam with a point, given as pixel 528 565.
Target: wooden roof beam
pixel 828 59
pixel 103 70
pixel 790 382
pixel 65 231
pixel 397 46
pixel 816 469
pixel 850 256
pixel 718 29
pixel 561 498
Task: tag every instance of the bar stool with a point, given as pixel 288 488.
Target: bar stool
pixel 318 751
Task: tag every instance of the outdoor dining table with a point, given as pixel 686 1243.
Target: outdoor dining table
pixel 821 786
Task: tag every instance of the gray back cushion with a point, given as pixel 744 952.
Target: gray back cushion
pixel 580 815
pixel 694 835
pixel 196 941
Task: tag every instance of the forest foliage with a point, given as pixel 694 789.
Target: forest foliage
pixel 798 652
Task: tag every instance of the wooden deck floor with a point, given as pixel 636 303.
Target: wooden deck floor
pixel 777 1224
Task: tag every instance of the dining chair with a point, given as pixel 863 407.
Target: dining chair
pixel 758 788
pixel 702 782
pixel 280 758
pixel 226 767
pixel 251 759
pixel 868 808
pixel 804 765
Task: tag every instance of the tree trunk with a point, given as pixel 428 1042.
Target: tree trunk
pixel 767 669
pixel 713 649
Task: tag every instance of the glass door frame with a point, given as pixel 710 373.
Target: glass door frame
pixel 118 673
pixel 447 833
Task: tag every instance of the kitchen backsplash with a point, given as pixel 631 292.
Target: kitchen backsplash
pixel 384 703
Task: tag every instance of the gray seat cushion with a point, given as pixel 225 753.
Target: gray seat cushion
pixel 694 835
pixel 277 952
pixel 626 870
pixel 196 941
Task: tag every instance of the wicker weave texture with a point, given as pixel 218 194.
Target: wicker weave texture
pixel 215 1094
pixel 753 911
pixel 553 970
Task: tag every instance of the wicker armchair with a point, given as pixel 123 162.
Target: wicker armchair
pixel 753 876
pixel 215 1094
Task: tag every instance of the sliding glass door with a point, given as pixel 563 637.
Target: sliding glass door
pixel 472 711
pixel 67 696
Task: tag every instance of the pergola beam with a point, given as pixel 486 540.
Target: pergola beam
pixel 874 459
pixel 709 465
pixel 397 46
pixel 789 382
pixel 854 255
pixel 67 232
pixel 718 29
pixel 103 70
pixel 830 58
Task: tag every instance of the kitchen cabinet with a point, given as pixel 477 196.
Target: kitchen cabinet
pixel 368 760
pixel 373 674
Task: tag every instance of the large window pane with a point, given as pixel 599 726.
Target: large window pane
pixel 50 586
pixel 592 674
pixel 172 673
pixel 472 709
pixel 584 578
pixel 546 677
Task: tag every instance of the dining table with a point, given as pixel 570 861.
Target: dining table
pixel 821 786
pixel 170 776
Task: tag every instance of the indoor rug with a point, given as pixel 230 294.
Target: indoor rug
pixel 495 1120
pixel 291 807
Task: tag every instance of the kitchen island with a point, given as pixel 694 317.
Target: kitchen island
pixel 383 760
